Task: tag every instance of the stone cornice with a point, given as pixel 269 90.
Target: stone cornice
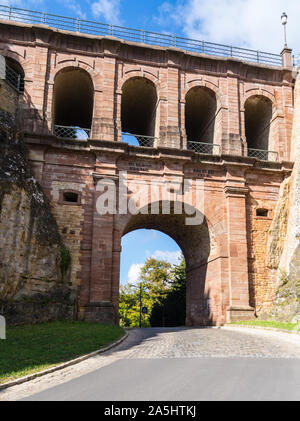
pixel 47 39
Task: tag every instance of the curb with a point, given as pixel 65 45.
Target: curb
pixel 270 329
pixel 62 366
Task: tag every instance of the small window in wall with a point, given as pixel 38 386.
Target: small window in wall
pixel 70 197
pixel 263 213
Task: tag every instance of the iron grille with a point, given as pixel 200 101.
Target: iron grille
pixel 72 132
pixel 138 140
pixel 205 148
pixel 11 76
pixel 263 155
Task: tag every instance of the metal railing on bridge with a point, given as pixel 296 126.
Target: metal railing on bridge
pixel 263 155
pixel 136 35
pixel 204 148
pixel 139 140
pixel 72 132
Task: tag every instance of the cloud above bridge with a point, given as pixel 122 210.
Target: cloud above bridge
pixel 109 10
pixel 250 23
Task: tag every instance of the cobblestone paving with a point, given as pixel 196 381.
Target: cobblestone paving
pixel 172 343
pixel 210 343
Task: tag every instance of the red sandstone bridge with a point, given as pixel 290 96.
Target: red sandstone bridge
pixel 194 110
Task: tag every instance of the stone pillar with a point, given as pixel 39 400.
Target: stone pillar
pixel 235 192
pixel 287 58
pixel 170 132
pixel 234 132
pixel 38 110
pixel 101 307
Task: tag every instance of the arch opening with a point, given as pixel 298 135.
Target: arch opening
pixel 152 277
pixel 73 103
pixel 258 121
pixel 201 119
pixel 138 111
pixel 195 244
pixel 14 74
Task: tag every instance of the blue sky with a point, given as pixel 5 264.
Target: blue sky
pixel 139 245
pixel 246 23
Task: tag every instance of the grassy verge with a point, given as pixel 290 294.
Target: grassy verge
pixel 29 349
pixel 270 323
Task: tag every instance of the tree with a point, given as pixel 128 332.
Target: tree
pixel 171 311
pixel 162 289
pixel 153 286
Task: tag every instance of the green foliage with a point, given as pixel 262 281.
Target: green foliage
pixel 161 289
pixel 65 261
pixel 171 311
pixel 32 348
pixel 270 323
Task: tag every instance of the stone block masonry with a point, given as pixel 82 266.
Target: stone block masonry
pixel 181 102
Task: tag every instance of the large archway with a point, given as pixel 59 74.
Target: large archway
pixel 139 109
pixel 201 119
pixel 152 276
pixel 258 122
pixel 73 103
pixel 195 243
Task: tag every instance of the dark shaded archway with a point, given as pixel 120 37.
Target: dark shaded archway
pixel 200 115
pixel 15 74
pixel 73 100
pixel 194 241
pixel 138 107
pixel 258 118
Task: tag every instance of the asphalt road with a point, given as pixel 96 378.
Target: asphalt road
pixel 191 364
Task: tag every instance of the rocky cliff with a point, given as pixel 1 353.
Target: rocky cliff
pixel 34 264
pixel 284 237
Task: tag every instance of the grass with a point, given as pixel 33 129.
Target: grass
pixel 31 348
pixel 270 323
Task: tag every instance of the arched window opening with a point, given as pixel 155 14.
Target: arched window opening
pixel 14 74
pixel 138 112
pixel 200 119
pixel 73 104
pixel 258 119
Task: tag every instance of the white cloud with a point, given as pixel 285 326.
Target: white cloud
pixel 251 23
pixel 169 256
pixel 109 10
pixel 134 272
pixel 75 7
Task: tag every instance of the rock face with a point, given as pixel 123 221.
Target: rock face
pixel 290 260
pixel 284 238
pixel 33 261
pixel 286 306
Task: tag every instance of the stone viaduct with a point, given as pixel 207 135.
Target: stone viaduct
pixel 222 123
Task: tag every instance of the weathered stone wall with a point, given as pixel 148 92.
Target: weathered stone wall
pixel 30 246
pixel 290 260
pixel 9 99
